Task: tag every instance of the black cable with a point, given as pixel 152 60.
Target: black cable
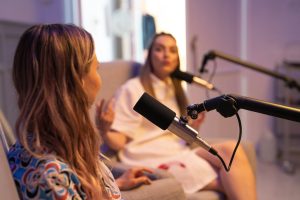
pixel 213 151
pixel 218 91
pixel 212 75
pixel 210 78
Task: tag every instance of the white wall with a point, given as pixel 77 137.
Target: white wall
pixel 15 17
pixel 273 30
pixel 95 19
pixel 214 25
pixel 32 11
pixel 262 33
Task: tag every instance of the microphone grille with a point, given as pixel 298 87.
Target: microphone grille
pixel 154 111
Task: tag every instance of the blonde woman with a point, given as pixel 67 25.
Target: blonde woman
pixel 57 152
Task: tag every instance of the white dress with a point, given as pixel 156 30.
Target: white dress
pixel 152 147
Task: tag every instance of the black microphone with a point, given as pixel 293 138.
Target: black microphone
pixel 208 56
pixel 165 118
pixel 192 79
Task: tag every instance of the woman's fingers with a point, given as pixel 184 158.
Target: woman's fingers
pixel 129 179
pixel 141 180
pixel 100 105
pixel 141 171
pixel 111 103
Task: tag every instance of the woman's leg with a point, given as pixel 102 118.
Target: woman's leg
pixel 239 182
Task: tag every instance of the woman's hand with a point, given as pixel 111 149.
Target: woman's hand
pixel 197 122
pixel 104 115
pixel 133 177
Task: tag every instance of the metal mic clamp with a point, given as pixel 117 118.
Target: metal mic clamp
pixel 225 105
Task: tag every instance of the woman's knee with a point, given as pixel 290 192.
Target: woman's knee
pixel 215 185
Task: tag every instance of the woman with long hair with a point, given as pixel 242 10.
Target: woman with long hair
pixel 57 152
pixel 141 143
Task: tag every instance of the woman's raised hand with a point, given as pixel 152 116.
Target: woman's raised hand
pixel 105 115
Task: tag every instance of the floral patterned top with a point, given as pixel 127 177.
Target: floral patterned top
pixel 49 178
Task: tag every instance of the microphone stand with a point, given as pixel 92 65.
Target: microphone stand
pixel 291 83
pixel 228 105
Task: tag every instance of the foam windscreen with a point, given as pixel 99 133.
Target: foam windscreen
pixel 154 111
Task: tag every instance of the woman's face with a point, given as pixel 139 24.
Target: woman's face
pixel 164 56
pixel 92 81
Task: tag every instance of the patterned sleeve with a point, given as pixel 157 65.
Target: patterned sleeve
pixel 110 185
pixel 60 182
pixel 49 180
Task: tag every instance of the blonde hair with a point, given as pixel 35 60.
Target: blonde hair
pixel 49 64
pixel 147 69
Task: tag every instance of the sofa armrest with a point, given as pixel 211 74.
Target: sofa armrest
pixel 166 189
pixel 118 169
pixel 163 185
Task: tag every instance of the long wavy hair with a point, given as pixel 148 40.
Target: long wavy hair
pixel 147 69
pixel 49 65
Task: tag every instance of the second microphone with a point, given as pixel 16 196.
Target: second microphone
pixel 189 78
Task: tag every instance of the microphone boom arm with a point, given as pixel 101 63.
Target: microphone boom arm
pixel 228 105
pixel 292 83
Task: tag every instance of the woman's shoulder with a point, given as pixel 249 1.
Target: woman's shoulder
pixel 132 88
pixel 132 83
pixel 44 177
